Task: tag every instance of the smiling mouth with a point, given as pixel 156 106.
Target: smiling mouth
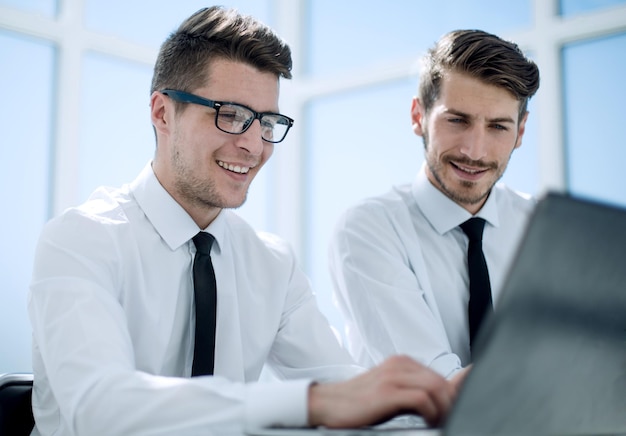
pixel 234 168
pixel 469 170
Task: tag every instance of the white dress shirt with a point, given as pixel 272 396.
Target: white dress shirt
pixel 111 306
pixel 399 267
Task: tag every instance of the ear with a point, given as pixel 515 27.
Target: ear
pixel 417 117
pixel 521 129
pixel 161 112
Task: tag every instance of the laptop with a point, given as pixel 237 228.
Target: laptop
pixel 552 358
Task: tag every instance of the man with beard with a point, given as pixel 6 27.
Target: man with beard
pixel 399 261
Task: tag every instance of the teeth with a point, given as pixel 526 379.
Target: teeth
pixel 233 168
pixel 468 170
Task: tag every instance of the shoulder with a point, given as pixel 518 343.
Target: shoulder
pixel 257 244
pixel 383 220
pixel 387 206
pixel 510 200
pixel 88 237
pixel 105 208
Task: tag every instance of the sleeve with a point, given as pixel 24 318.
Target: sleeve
pixel 305 345
pixel 379 287
pixel 86 379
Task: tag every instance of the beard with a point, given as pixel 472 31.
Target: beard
pixel 201 192
pixel 466 192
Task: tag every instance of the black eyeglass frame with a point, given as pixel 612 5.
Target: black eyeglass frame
pixel 186 97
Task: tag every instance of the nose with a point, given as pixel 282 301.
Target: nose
pixel 474 143
pixel 251 140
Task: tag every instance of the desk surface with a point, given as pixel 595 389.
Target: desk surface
pixel 352 432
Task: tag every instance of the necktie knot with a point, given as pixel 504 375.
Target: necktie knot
pixel 203 242
pixel 473 228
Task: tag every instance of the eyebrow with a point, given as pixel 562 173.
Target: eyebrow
pixel 490 120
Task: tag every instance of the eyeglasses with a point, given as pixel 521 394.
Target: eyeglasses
pixel 236 118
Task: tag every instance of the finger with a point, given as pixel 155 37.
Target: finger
pixel 419 402
pixel 412 375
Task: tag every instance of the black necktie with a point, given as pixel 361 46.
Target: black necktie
pixel 480 289
pixel 205 295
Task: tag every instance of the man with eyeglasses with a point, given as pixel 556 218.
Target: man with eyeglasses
pixel 154 308
pixel 408 269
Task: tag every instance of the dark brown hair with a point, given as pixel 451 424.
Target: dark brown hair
pixel 483 56
pixel 214 33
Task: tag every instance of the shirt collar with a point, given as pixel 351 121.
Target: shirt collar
pixel 443 213
pixel 168 217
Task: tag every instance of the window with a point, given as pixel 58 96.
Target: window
pixel 115 134
pixel 594 95
pixel 575 7
pixel 26 125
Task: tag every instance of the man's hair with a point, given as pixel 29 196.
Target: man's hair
pixel 217 33
pixel 480 55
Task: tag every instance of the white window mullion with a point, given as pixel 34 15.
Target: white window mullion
pixel 67 105
pixel 287 184
pixel 547 50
